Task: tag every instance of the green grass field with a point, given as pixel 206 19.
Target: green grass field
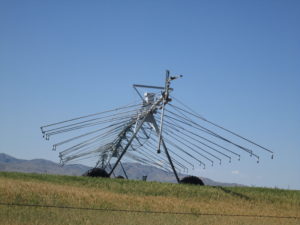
pixel 96 193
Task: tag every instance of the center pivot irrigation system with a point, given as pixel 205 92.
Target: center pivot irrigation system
pixel 153 132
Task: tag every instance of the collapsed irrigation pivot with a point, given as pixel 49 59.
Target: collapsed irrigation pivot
pixel 154 131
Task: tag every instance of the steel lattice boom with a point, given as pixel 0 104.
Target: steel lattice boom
pixel 153 132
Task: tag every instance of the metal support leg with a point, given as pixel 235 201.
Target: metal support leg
pixel 129 143
pixel 111 167
pixel 170 160
pixel 124 170
pixel 165 148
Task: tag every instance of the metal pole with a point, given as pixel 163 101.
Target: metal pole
pixel 124 170
pixel 170 161
pixel 111 167
pixel 129 142
pixel 165 97
pixel 166 150
pixel 121 135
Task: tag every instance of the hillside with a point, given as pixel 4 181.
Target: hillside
pixel 134 170
pixel 9 163
pixel 53 199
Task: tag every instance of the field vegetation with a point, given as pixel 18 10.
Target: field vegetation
pixel 119 194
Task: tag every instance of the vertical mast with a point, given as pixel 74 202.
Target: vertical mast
pixel 165 99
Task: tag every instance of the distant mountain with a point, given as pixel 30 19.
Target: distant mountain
pixel 9 163
pixel 133 170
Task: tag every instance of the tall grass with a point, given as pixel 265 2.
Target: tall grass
pixel 138 195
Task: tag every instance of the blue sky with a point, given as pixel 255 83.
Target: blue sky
pixel 240 61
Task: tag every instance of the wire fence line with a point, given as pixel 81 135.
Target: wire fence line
pixel 148 211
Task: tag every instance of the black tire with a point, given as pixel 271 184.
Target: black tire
pixel 96 172
pixel 192 180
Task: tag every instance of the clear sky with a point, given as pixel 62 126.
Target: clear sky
pixel 240 61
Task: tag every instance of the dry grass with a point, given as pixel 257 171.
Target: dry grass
pixel 132 195
pixel 18 216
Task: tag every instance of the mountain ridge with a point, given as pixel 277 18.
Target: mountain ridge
pixel 134 170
